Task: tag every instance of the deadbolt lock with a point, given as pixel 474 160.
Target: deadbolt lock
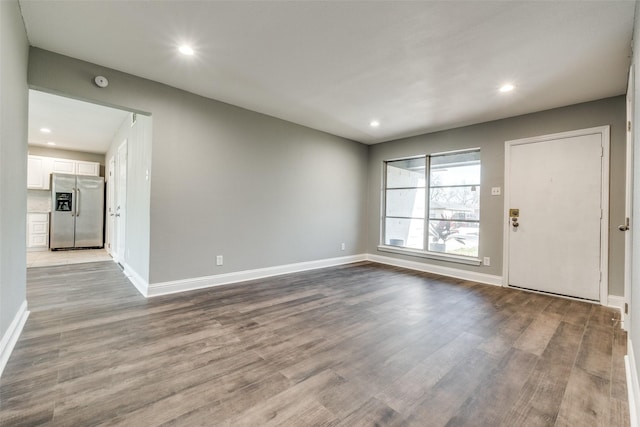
pixel 514 214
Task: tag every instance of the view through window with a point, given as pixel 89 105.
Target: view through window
pixel 439 193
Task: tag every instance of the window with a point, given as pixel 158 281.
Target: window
pixel 432 203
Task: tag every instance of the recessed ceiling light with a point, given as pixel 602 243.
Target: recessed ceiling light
pixel 51 143
pixel 507 88
pixel 186 50
pixel 45 130
pixel 374 124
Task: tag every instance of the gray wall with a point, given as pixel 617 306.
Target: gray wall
pixel 13 161
pixel 490 137
pixel 228 181
pixel 57 153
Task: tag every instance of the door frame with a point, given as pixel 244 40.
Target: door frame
pixel 604 131
pixel 628 202
pixel 120 233
pixel 111 191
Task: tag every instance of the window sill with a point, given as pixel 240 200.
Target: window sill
pixel 430 255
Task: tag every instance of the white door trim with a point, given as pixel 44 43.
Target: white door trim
pixel 628 238
pixel 604 202
pixel 121 202
pixel 110 173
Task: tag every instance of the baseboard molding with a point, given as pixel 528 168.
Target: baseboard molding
pixel 165 288
pixel 633 388
pixel 12 334
pixel 617 302
pixel 140 284
pixel 473 276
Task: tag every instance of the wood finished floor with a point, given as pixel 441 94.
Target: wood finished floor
pixel 355 345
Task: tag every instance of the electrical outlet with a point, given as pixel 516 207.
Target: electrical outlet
pixel 219 260
pixel 342 247
pixel 486 261
pixel 496 191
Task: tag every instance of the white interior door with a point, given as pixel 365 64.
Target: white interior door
pixel 121 201
pixel 554 240
pixel 111 207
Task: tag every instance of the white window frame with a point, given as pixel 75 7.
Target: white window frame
pixel 422 253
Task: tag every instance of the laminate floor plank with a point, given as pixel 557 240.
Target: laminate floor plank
pixel 536 337
pixel 586 401
pixel 352 345
pixel 500 390
pixel 595 351
pixel 444 400
pixel 618 372
pixel 542 395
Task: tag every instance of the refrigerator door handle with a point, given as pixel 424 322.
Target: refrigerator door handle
pixel 77 202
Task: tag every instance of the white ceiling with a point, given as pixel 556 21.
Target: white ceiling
pixel 336 65
pixel 74 125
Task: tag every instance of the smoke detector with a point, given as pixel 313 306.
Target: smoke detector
pixel 101 81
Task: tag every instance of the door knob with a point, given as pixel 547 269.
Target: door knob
pixel 515 224
pixel 625 226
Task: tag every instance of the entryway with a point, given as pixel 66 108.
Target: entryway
pixel 557 204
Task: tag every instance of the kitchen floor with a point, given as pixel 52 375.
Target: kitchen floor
pixel 78 256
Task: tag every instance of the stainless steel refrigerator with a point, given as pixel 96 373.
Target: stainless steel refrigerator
pixel 77 211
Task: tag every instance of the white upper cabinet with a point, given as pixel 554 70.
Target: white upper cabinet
pixel 87 168
pixel 64 166
pixel 40 168
pixel 39 172
pixel 35 172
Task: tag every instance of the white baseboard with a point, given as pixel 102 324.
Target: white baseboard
pixel 12 334
pixel 164 288
pixel 140 283
pixel 633 389
pixel 617 302
pixel 473 276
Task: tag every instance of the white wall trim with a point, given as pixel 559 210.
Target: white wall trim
pixel 140 283
pixel 633 389
pixel 617 302
pixel 473 276
pixel 10 337
pixel 164 288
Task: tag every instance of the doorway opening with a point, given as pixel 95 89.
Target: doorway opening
pixel 72 138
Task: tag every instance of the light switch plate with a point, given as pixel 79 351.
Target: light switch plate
pixel 496 191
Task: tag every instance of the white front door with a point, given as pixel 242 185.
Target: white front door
pixel 121 201
pixel 557 238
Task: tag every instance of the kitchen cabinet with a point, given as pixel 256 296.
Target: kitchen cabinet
pixel 39 170
pixel 87 168
pixel 64 166
pixel 76 167
pixel 35 172
pixel 37 231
